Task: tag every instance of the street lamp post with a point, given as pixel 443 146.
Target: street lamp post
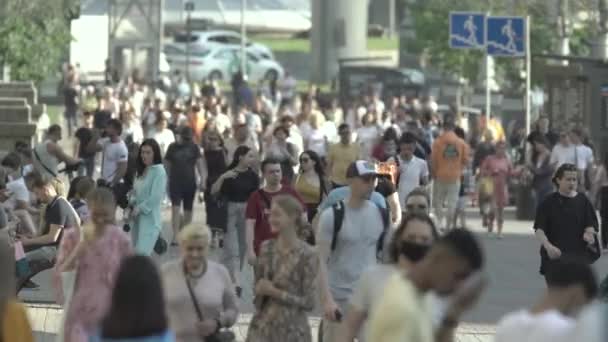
pixel 243 38
pixel 189 6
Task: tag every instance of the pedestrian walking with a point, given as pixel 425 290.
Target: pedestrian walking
pixel 310 183
pixel 14 323
pixel 601 181
pixel 115 154
pixel 565 224
pixel 404 313
pixel 410 243
pixel 498 167
pixel 283 151
pixel 146 200
pixel 448 158
pixel 412 172
pixel 235 187
pixel 285 277
pixel 137 308
pixel 80 189
pixel 258 208
pixel 199 292
pixel 183 161
pixel 341 155
pixel 83 136
pixel 215 163
pixel 351 237
pixel 541 170
pixel 571 285
pixel 93 254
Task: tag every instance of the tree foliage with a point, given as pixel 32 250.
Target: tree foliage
pixel 34 36
pixel 431 26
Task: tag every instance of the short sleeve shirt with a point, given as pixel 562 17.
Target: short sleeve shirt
pixel 341 156
pixel 344 192
pixel 258 209
pixel 84 136
pixel 59 212
pixel 19 191
pixel 355 247
pixel 113 153
pixel 183 159
pixel 410 174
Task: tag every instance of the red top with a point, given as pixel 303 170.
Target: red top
pixel 258 209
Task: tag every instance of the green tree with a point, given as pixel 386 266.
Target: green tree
pixel 34 36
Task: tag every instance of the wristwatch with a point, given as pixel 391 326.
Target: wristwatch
pixel 219 325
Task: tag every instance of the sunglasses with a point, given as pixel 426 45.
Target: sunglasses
pixel 416 206
pixel 368 178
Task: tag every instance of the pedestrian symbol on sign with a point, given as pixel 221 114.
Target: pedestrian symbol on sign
pixel 467 30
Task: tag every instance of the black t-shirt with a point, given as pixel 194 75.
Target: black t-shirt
pixel 84 136
pixel 59 212
pixel 564 219
pixel 183 158
pixel 239 188
pixel 385 187
pixel 70 97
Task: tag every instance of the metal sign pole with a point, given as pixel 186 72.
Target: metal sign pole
pixel 488 91
pixel 188 34
pixel 528 75
pixel 243 38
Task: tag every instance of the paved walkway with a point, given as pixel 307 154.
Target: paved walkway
pixel 46 320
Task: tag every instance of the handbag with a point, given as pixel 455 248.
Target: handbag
pixel 68 283
pixel 593 251
pixel 219 335
pixel 161 246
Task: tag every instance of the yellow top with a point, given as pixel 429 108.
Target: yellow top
pixel 15 324
pixel 340 156
pixel 401 315
pixel 310 193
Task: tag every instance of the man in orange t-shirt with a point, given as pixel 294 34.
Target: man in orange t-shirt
pixel 448 158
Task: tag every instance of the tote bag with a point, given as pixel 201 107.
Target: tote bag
pixel 68 283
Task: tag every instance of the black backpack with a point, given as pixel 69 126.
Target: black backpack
pixel 338 209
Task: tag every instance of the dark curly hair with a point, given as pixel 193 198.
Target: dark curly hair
pixel 394 245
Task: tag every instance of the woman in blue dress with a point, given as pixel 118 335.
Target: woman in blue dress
pixel 148 193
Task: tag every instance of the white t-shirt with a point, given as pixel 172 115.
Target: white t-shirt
pixel 19 193
pixel 113 153
pixel 164 138
pixel 410 174
pixel 562 155
pixel 222 122
pixel 366 137
pixel 583 156
pixel 523 326
pixel 317 142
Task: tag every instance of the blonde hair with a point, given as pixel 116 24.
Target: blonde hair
pixel 292 207
pixel 193 232
pixel 104 198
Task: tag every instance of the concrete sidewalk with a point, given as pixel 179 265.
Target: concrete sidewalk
pixel 46 319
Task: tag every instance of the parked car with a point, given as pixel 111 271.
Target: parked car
pixel 220 63
pixel 206 39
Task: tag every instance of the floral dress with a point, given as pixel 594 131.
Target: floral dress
pixel 295 274
pixel 500 169
pixel 95 275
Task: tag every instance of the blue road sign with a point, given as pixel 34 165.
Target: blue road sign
pixel 467 30
pixel 505 36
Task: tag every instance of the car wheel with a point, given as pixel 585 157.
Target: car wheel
pixel 271 75
pixel 215 75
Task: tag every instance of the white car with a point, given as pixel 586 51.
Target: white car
pixel 207 39
pixel 220 63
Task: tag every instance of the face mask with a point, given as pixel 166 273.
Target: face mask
pixel 413 251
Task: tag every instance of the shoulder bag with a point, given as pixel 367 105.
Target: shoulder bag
pixel 219 335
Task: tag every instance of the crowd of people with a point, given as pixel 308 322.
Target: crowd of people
pixel 324 202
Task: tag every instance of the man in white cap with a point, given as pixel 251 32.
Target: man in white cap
pixel 350 238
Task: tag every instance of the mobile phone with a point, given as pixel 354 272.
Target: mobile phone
pixel 338 315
